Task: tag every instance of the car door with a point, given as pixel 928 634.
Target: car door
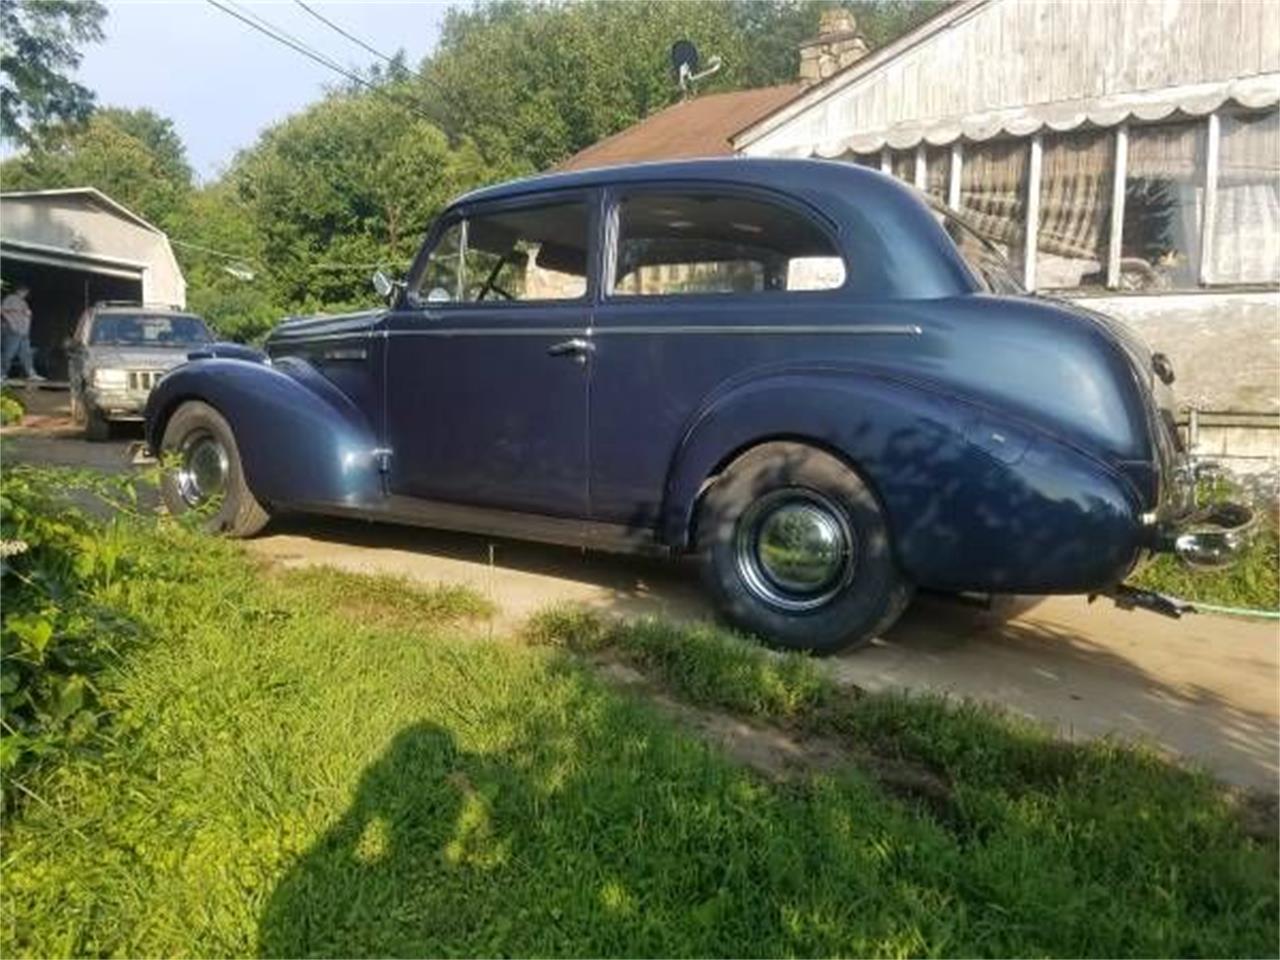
pixel 488 361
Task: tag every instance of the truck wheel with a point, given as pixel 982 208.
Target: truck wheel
pixel 795 548
pixel 206 472
pixel 97 428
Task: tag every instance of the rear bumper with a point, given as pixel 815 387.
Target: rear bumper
pixel 1206 536
pixel 1212 537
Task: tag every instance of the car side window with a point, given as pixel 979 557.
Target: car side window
pixel 526 254
pixel 703 242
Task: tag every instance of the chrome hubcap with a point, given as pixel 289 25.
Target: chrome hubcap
pixel 202 469
pixel 794 549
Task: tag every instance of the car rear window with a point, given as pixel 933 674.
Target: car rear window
pixel 147 330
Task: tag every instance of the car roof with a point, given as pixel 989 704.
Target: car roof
pixel 785 174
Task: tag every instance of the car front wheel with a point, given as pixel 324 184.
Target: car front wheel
pixel 203 472
pixel 795 548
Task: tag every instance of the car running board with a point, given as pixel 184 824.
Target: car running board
pixel 1127 597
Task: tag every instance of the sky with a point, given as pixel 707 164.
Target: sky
pixel 220 81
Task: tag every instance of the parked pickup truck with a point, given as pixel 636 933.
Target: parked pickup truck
pixel 828 389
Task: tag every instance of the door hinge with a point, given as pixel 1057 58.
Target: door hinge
pixel 383 456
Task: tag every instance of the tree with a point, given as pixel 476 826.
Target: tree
pixel 39 43
pixel 531 83
pixel 347 186
pixel 147 172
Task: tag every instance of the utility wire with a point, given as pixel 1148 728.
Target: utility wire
pixel 352 37
pixel 280 36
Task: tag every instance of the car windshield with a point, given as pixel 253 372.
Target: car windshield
pixel 148 330
pixel 983 258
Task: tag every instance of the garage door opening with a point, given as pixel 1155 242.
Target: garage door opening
pixel 59 295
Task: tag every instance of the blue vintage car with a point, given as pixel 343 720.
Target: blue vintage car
pixel 829 390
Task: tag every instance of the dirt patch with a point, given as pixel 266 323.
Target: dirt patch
pixel 778 752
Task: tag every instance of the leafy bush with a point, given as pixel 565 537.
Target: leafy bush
pixel 11 409
pixel 54 638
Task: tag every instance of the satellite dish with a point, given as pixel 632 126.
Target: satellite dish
pixel 684 58
pixel 684 61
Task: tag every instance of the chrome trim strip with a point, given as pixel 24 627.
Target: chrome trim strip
pixel 748 329
pixel 321 337
pixel 679 330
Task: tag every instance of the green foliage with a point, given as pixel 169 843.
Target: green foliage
pixel 39 45
pixel 318 763
pixel 53 637
pixel 531 82
pixel 133 156
pixel 11 408
pixel 343 188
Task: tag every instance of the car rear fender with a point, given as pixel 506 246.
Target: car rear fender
pixel 302 442
pixel 975 500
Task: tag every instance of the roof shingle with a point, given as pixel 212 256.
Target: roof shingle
pixel 699 127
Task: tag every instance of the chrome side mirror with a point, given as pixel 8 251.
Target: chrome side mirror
pixel 383 284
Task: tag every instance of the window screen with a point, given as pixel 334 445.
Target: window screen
pixel 1246 233
pixel 1075 209
pixel 707 243
pixel 1163 206
pixel 534 253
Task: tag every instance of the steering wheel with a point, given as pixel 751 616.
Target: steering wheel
pixel 494 288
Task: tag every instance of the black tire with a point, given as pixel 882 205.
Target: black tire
pixel 197 434
pixel 865 592
pixel 97 428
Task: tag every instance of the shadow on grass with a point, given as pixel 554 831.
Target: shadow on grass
pixel 596 829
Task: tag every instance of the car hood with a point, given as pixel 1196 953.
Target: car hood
pixel 303 328
pixel 138 358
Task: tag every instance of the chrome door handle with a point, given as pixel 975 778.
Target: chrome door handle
pixel 576 348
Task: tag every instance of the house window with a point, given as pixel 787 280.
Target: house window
pixel 937 172
pixel 709 243
pixel 1163 204
pixel 902 164
pixel 1246 224
pixel 871 160
pixel 1076 181
pixel 993 195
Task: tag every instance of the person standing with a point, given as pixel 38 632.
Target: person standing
pixel 15 338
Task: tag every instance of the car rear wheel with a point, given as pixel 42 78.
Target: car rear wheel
pixel 203 472
pixel 795 548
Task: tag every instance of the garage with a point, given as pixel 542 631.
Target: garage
pixel 76 247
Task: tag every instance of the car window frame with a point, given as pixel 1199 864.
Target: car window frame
pixel 617 193
pixel 463 212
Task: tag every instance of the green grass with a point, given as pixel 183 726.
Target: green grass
pixel 316 763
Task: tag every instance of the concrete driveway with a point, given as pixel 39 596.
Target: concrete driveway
pixel 1206 688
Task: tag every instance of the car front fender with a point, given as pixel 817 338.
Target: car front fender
pixel 975 500
pixel 302 442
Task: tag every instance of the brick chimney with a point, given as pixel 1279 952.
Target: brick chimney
pixel 837 45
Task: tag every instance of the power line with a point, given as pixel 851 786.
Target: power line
pixel 280 36
pixel 352 37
